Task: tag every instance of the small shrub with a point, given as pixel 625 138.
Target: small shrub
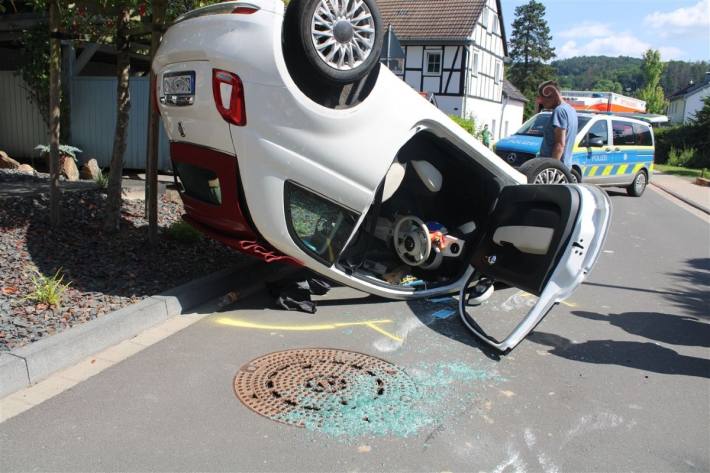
pixel 681 158
pixel 102 180
pixel 468 124
pixel 64 150
pixel 183 232
pixel 47 290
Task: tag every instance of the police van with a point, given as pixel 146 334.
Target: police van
pixel 609 150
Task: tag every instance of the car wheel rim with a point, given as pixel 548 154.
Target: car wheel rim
pixel 343 33
pixel 640 182
pixel 551 176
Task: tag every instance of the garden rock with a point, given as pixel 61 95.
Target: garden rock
pixel 6 162
pixel 26 169
pixel 69 170
pixel 90 170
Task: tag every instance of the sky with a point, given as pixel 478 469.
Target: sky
pixel 680 29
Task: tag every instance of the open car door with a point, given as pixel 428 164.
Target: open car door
pixel 543 239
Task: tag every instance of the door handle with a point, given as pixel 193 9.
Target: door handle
pixel 608 150
pixel 617 149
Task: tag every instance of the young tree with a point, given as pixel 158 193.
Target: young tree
pixel 112 219
pixel 54 113
pixel 652 92
pixel 530 50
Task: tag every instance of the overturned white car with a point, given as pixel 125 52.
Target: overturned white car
pixel 292 143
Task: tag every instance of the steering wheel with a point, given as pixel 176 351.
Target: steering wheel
pixel 412 240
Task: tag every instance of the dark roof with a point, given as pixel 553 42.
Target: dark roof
pixel 447 20
pixel 512 92
pixel 690 88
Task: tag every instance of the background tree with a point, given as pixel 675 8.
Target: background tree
pixel 607 85
pixel 652 92
pixel 530 50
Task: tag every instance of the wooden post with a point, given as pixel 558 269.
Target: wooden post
pixel 54 113
pixel 151 169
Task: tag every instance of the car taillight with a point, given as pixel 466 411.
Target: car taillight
pixel 228 95
pixel 245 9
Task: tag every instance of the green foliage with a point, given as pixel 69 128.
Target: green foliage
pixel 47 290
pixel 102 180
pixel 583 72
pixel 652 92
pixel 468 124
pixel 679 171
pixel 530 50
pixel 684 137
pixel 607 85
pixel 183 232
pixel 682 157
pixel 34 70
pixel 64 150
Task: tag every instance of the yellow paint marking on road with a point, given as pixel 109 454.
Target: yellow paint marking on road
pixel 384 332
pixel 568 304
pixel 373 324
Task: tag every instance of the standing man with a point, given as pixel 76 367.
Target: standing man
pixel 486 136
pixel 561 129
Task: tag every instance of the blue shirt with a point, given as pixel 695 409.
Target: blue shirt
pixel 563 116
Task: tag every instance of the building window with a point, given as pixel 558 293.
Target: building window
pixel 496 30
pixel 498 73
pixel 474 64
pixel 432 63
pixel 484 17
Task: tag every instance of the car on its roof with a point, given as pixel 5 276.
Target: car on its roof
pixel 292 143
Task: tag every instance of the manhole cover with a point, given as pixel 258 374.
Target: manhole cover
pixel 320 387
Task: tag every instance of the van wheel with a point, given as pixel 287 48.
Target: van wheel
pixel 546 171
pixel 342 40
pixel 636 188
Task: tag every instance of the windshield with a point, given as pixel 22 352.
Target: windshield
pixel 536 125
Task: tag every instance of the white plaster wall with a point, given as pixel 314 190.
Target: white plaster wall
pixel 449 105
pixel 695 103
pixel 512 118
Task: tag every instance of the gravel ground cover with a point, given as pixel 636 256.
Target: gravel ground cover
pixel 105 271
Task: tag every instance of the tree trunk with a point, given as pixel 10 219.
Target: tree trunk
pixel 151 172
pixel 54 114
pixel 112 220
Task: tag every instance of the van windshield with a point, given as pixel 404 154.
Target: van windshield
pixel 536 125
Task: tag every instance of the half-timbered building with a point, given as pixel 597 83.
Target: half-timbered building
pixel 456 49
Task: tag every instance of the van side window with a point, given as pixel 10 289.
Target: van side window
pixel 623 133
pixel 599 130
pixel 643 135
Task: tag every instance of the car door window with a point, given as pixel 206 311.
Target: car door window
pixel 318 225
pixel 643 135
pixel 623 133
pixel 599 130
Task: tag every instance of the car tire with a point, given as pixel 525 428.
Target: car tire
pixel 636 188
pixel 576 175
pixel 546 171
pixel 342 50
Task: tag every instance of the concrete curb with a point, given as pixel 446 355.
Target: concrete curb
pixel 678 196
pixel 32 363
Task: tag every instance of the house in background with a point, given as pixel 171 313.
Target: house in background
pixel 685 103
pixel 456 49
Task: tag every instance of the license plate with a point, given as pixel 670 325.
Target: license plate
pixel 178 88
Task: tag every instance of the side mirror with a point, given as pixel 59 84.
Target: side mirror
pixel 595 142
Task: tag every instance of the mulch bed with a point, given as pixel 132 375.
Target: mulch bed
pixel 106 271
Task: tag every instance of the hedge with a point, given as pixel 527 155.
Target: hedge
pixel 683 137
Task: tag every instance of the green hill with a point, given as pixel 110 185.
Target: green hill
pixel 623 74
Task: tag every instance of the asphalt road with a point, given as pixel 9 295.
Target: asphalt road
pixel 615 380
